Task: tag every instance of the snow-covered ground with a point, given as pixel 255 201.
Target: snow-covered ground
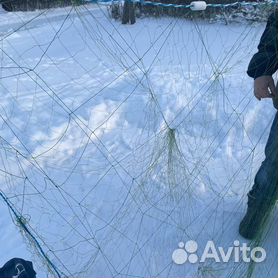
pixel 118 142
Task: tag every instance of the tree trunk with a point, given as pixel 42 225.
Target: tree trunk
pixel 128 12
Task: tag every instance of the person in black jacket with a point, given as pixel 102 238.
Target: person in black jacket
pixel 263 195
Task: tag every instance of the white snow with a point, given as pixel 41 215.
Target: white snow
pixel 86 154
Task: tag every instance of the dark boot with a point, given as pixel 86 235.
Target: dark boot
pixel 253 219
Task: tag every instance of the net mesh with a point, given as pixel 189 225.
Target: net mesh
pixel 120 141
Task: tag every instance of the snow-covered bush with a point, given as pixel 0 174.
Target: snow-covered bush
pixel 228 14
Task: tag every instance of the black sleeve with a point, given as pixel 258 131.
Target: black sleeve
pixel 264 62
